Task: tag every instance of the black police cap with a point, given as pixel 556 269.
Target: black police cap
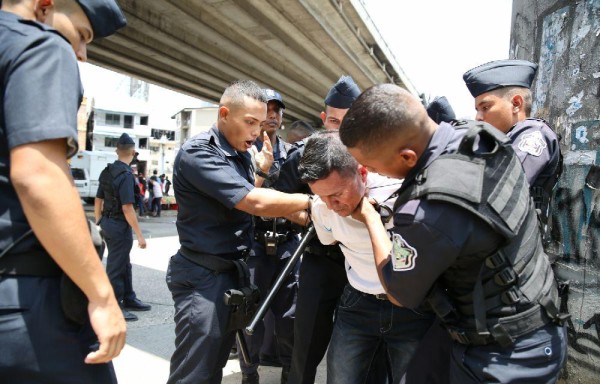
pixel 440 110
pixel 104 15
pixel 125 139
pixel 343 93
pixel 273 95
pixel 499 74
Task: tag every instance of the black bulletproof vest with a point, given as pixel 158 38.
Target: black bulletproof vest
pixel 492 186
pixel 112 204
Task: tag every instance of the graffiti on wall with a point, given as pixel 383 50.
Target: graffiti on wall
pixel 566 93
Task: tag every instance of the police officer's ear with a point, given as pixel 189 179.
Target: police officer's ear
pixel 223 112
pixel 42 9
pixel 518 103
pixel 407 157
pixel 323 117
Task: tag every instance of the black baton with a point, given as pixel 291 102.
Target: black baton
pixel 239 335
pixel 262 310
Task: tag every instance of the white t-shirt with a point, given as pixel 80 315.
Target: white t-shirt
pixel 353 235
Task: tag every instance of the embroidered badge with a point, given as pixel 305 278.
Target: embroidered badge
pixel 403 255
pixel 532 143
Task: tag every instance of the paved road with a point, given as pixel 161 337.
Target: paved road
pixel 150 340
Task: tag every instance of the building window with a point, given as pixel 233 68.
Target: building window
pixel 128 121
pixel 143 120
pixel 113 119
pixel 143 143
pixel 111 142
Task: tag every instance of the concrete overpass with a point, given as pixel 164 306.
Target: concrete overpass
pixel 298 47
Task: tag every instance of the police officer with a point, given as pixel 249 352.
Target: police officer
pixel 43 231
pixel 213 181
pixel 465 233
pixel 503 99
pixel 322 272
pixel 275 241
pixel 431 361
pixel 114 211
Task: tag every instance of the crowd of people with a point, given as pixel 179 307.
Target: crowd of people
pixel 428 264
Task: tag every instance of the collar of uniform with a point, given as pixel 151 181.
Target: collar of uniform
pixel 221 142
pixel 121 163
pixel 437 145
pixel 9 16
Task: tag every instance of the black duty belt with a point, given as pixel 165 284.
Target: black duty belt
pixel 216 263
pixel 32 263
pixel 506 330
pixel 113 215
pixel 280 238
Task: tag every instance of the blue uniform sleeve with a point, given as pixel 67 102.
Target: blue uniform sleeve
pixel 206 168
pixel 537 148
pixel 100 191
pixel 124 186
pixel 432 235
pixel 289 177
pixel 45 93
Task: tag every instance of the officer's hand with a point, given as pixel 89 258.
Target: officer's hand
pixel 142 242
pixel 109 326
pixel 364 210
pixel 264 158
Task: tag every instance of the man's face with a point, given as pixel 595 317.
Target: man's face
pixel 274 117
pixel 241 124
pixel 332 117
pixel 495 110
pixel 74 25
pixel 384 160
pixel 341 194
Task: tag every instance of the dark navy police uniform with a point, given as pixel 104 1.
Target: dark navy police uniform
pixel 438 243
pixel 265 267
pixel 40 96
pixel 117 191
pixel 209 179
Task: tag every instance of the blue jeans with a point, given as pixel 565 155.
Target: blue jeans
pixel 362 323
pixel 534 358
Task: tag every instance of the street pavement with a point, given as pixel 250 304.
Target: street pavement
pixel 150 340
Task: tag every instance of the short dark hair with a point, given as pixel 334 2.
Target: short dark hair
pixel 324 153
pixel 235 93
pixel 379 114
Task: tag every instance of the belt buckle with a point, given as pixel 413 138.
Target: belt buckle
pixel 381 296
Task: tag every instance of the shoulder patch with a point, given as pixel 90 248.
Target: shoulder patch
pixel 403 255
pixel 532 143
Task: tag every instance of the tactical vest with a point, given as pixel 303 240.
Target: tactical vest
pixel 514 292
pixel 112 204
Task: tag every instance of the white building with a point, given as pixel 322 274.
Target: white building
pixel 192 121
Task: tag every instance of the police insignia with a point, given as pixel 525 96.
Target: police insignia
pixel 403 255
pixel 532 143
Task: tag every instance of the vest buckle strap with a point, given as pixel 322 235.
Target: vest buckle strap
pixel 506 276
pixel 495 261
pixel 511 296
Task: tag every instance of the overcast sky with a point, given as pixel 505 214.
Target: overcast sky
pixel 434 41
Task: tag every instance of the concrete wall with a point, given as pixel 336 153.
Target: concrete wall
pixel 562 36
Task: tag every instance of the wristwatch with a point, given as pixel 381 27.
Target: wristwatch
pixel 260 173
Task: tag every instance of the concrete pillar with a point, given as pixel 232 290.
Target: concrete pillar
pixel 562 37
